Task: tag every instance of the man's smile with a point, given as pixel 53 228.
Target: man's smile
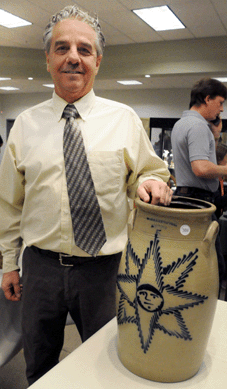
pixel 72 72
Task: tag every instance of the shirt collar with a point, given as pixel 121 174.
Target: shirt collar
pixel 191 113
pixel 83 105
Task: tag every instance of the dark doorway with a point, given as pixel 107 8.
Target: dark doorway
pixel 9 125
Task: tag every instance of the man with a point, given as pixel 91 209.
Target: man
pixel 193 144
pixel 35 202
pixel 195 164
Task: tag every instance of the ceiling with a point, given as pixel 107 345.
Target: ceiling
pixel 173 59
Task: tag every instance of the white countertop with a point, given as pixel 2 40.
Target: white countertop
pixel 95 364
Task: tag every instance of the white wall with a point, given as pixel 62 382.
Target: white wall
pixel 152 102
pixel 147 103
pixel 13 104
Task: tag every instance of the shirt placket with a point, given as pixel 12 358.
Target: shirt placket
pixel 66 222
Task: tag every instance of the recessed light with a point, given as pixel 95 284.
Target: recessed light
pixel 30 78
pixel 129 82
pixel 11 21
pixel 147 75
pixel 159 18
pixel 222 79
pixel 9 88
pixel 49 85
pixel 5 78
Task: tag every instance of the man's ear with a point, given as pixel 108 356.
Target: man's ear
pixel 98 62
pixel 47 61
pixel 207 99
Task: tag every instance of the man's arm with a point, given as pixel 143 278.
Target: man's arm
pixel 148 174
pixel 11 204
pixel 207 169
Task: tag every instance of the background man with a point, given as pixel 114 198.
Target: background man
pixel 35 202
pixel 193 144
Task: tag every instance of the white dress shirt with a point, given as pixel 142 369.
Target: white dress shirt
pixel 34 204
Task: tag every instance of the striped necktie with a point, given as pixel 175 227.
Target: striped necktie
pixel 89 232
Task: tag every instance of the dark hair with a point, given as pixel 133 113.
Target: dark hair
pixel 221 152
pixel 206 87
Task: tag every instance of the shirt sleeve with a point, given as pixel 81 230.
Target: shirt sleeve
pixel 143 164
pixel 11 203
pixel 199 142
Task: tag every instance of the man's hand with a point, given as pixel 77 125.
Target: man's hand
pixel 159 190
pixel 11 285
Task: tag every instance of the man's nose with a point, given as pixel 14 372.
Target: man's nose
pixel 73 56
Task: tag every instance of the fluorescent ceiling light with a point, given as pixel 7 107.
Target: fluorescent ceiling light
pixel 49 85
pixel 159 18
pixel 222 79
pixel 4 78
pixel 10 21
pixel 129 82
pixel 8 88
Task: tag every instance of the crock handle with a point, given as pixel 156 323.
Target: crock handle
pixel 211 235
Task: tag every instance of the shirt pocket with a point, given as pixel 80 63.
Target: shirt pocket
pixel 106 170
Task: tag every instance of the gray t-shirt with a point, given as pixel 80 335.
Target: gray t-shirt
pixel 192 140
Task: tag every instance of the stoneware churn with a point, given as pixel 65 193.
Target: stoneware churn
pixel 167 289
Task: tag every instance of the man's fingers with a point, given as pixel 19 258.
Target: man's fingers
pixel 11 285
pixel 159 192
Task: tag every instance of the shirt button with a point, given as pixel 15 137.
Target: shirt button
pixel 65 237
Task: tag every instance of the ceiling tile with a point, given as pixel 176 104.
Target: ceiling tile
pixel 198 16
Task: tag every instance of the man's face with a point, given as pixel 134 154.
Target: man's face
pixel 214 107
pixel 72 60
pixel 149 300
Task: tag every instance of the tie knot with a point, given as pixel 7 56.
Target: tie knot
pixel 70 111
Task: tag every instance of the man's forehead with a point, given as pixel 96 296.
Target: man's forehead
pixel 74 25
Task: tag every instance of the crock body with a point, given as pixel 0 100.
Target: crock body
pixel 167 290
